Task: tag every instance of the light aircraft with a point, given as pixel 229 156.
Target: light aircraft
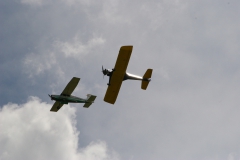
pixel 65 97
pixel 119 74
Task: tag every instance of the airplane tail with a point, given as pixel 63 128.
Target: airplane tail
pixel 90 100
pixel 146 79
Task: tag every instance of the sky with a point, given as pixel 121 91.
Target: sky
pixel 190 110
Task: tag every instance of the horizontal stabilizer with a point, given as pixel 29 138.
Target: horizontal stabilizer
pixel 146 79
pixel 90 100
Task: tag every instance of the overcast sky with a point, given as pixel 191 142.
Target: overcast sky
pixel 190 110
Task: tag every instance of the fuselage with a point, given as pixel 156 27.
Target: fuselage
pixel 134 77
pixel 67 99
pixel 127 76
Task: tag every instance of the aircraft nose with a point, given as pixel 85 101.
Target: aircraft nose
pixel 50 96
pixel 104 71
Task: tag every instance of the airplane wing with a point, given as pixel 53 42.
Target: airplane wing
pixel 70 86
pixel 118 74
pixel 56 106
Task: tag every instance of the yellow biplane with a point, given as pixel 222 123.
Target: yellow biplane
pixel 119 74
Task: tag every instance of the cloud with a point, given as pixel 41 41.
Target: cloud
pixel 33 2
pixel 38 63
pixel 31 131
pixel 55 56
pixel 77 49
pixel 67 2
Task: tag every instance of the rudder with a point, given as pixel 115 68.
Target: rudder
pixel 146 79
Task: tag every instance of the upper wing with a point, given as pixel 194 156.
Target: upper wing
pixel 56 106
pixel 70 86
pixel 123 59
pixel 118 74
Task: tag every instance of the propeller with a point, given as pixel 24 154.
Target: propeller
pixel 50 97
pixel 104 71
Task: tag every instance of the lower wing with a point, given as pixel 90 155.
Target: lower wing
pixel 113 89
pixel 56 106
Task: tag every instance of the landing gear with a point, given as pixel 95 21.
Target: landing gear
pixel 110 76
pixel 108 73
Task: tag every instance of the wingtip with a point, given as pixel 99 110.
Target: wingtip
pixel 110 102
pixel 127 47
pixel 76 78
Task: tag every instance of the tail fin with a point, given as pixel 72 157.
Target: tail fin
pixel 146 79
pixel 90 100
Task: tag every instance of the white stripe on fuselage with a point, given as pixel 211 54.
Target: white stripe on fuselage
pixel 134 76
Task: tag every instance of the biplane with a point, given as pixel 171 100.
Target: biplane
pixel 65 97
pixel 119 74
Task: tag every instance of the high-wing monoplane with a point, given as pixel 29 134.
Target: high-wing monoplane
pixel 65 97
pixel 119 74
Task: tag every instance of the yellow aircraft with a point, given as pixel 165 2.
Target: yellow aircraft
pixel 65 97
pixel 119 74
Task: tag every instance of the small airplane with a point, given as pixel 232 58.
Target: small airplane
pixel 65 97
pixel 119 74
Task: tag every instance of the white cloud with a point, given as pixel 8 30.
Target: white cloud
pixel 53 58
pixel 36 64
pixel 95 151
pixel 77 48
pixel 44 134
